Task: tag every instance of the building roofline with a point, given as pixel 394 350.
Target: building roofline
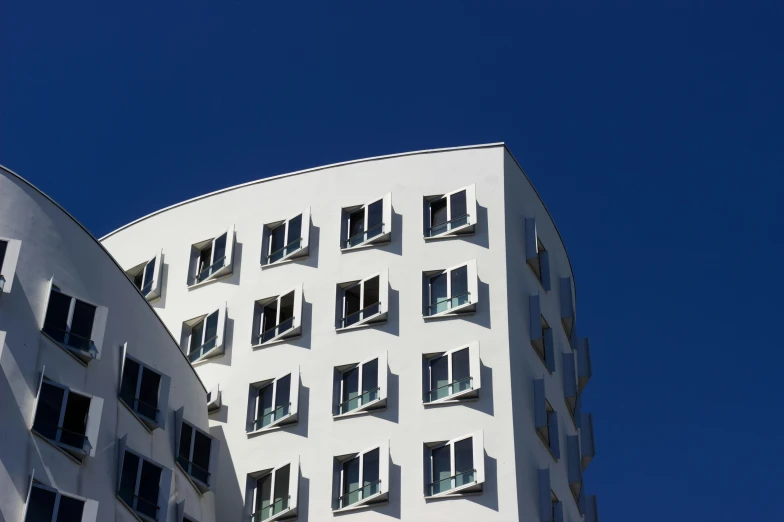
pixel 100 245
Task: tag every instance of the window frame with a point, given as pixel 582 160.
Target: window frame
pixel 386 224
pixel 214 399
pixel 220 332
pixel 299 253
pixel 378 404
pixel 574 467
pixel 383 302
pixel 199 484
pixel 155 281
pixel 567 307
pixel 228 259
pixel 550 507
pixel 472 283
pixel 378 498
pixel 473 487
pixel 164 485
pixel 164 386
pixel 461 230
pixel 8 264
pixel 251 491
pixel 290 419
pixel 537 256
pixel 89 506
pixel 257 331
pixel 475 368
pixel 541 333
pixel 92 425
pixel 546 421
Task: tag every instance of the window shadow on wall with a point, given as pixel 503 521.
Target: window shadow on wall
pixel 395 246
pixel 313 247
pixel 392 326
pixel 161 301
pixel 303 497
pixel 301 428
pixel 222 415
pixel 481 236
pixel 391 413
pixel 489 496
pixel 227 487
pixel 236 268
pixel 228 345
pixel 482 315
pixel 485 402
pixel 303 341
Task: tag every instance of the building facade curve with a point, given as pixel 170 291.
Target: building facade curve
pixel 96 399
pixel 390 337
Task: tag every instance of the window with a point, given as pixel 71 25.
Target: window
pixel 9 255
pixel 197 453
pixel 74 325
pixel 144 391
pixel 211 258
pixel 451 376
pixel 450 214
pixel 536 256
pixel 142 484
pixel 203 337
pixel 361 479
pixel 567 307
pixel 277 318
pixel 456 466
pixel 366 224
pixel 546 420
pixel 451 291
pixel 574 466
pixel 570 382
pixel 541 334
pixel 147 277
pixel 214 399
pixel 68 419
pixel 286 239
pixel 46 504
pixel 273 402
pixel 362 302
pixel 587 449
pixel 550 508
pixel 181 516
pixel 589 508
pixel 360 387
pixel 271 494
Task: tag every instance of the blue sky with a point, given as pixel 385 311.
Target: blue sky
pixel 653 133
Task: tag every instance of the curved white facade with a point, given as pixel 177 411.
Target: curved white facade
pixel 65 431
pixel 279 334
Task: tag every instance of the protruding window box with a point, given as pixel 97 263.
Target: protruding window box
pixel 567 306
pixel 457 467
pixel 45 503
pixel 9 257
pixel 366 225
pixel 450 215
pixel 453 376
pixel 272 494
pixel 277 318
pixel 147 277
pixel 574 466
pixel 361 480
pixel 360 387
pixel 450 292
pixel 143 485
pixel 144 391
pixel 75 325
pixel 285 240
pixel 536 255
pixel 203 337
pixel 211 259
pixel 362 303
pixel 197 453
pixel 214 400
pixel 541 334
pixel 546 420
pixel 583 363
pixel 273 403
pixel 587 448
pixel 550 508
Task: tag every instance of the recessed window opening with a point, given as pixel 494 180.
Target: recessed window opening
pixel 359 478
pixel 194 454
pixel 448 213
pixel 452 466
pixel 449 374
pixel 69 321
pixel 365 223
pixel 140 485
pixel 273 402
pixel 359 386
pixel 204 336
pixel 139 389
pixel 285 238
pixel 49 505
pixel 271 494
pixel 61 416
pixel 448 290
pixel 277 317
pixel 361 301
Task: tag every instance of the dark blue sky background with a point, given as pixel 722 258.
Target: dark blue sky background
pixel 653 133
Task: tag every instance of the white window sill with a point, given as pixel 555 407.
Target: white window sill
pixel 197 484
pixel 365 503
pixel 373 320
pixel 464 309
pixel 461 396
pixel 285 513
pixel 458 491
pixel 293 256
pixel 464 230
pixel 148 424
pixel 381 239
pixel 276 425
pixel 72 453
pixel 214 277
pixel 285 336
pixel 73 352
pixel 136 515
pixel 365 409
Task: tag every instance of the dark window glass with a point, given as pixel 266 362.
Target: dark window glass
pixel 56 320
pixel 129 380
pixel 371 292
pixel 270 318
pixel 277 238
pixel 460 365
pixel 265 401
pixel 185 441
pixel 148 393
pixel 211 327
pixel 350 384
pixel 220 249
pixel 352 301
pixel 464 455
pixel 47 415
pixel 82 321
pixel 459 278
pixel 370 376
pixel 350 475
pixel 41 505
pixel 138 279
pixel 295 228
pixel 375 216
pixel 438 212
pixel 149 488
pixel 282 483
pixel 283 391
pixel 128 478
pixel 458 203
pixel 286 307
pixel 3 248
pixel 442 464
pixel 196 336
pixel 205 257
pixel 70 509
pixel 149 272
pixel 370 468
pixel 201 451
pixel 75 420
pixel 263 491
pixel 356 222
pixel 439 372
pixel 437 289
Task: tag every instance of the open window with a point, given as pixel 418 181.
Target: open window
pixel 75 325
pixel 368 224
pixel 536 255
pixel 567 306
pixel 273 403
pixel 450 214
pixel 271 494
pixel 546 420
pixel 203 337
pixel 197 453
pixel 590 509
pixel 451 376
pixel 451 291
pixel 68 419
pixel 211 258
pixel 9 256
pixel 361 479
pixel 583 363
pixel 587 448
pixel 362 302
pixel 47 504
pixel 574 466
pixel 285 239
pixel 571 394
pixel 360 387
pixel 214 401
pixel 455 467
pixel 277 317
pixel 541 334
pixel 144 391
pixel 147 277
pixel 550 508
pixel 143 485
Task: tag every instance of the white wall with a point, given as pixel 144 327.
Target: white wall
pixel 53 244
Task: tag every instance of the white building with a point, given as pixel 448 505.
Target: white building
pixel 389 337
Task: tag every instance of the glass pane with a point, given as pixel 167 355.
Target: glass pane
pixel 197 334
pixel 138 279
pixel 263 492
pixel 458 204
pixel 438 213
pixel 149 488
pixel 148 394
pixel 370 467
pixel 265 404
pixel 220 251
pixel 286 309
pixel 205 260
pixel 369 377
pixel 350 390
pixel 459 278
pixel 438 294
pixel 75 420
pixel 149 272
pixel 70 509
pixel 128 478
pixel 41 505
pixel 270 316
pixel 47 415
pixel 3 246
pixel 352 305
pixel 281 484
pixel 201 457
pixel 129 380
pixel 356 224
pixel 211 328
pixel 351 491
pixel 375 218
pixel 277 238
pixel 442 469
pixel 464 455
pixel 82 325
pixel 283 392
pixel 461 368
pixel 371 292
pixel 295 229
pixel 439 378
pixel 57 315
pixel 185 441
